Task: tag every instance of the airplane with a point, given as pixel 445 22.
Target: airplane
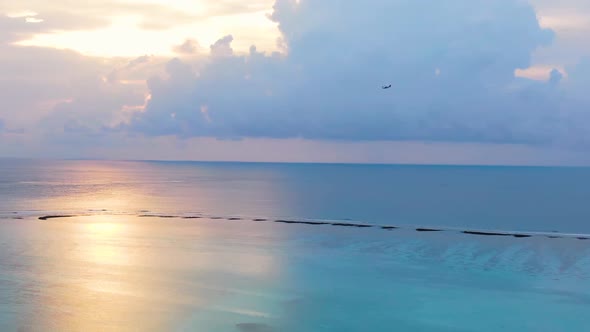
pixel 386 87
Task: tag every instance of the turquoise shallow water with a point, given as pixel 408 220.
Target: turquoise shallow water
pixel 107 269
pixel 123 273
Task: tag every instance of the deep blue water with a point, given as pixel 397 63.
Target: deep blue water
pixel 507 198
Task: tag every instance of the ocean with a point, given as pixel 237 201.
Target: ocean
pixel 505 198
pixel 247 247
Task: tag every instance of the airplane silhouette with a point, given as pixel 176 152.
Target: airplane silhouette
pixel 386 87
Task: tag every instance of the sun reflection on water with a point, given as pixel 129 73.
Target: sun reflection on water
pixel 117 273
pixel 102 243
pixel 102 187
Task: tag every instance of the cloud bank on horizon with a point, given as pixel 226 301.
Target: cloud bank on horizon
pixel 451 65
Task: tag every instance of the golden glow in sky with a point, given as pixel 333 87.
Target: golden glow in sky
pixel 133 28
pixel 127 35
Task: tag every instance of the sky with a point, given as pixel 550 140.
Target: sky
pixel 473 81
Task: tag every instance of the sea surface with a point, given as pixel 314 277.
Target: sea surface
pixel 505 198
pixel 235 247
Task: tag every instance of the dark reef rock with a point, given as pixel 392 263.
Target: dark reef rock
pixel 428 230
pixel 286 221
pixel 520 236
pixel 157 216
pixel 351 225
pixel 485 233
pixel 55 217
pixel 315 223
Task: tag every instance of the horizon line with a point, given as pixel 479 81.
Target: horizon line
pixel 300 162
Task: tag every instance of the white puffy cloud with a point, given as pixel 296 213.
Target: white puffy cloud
pixel 451 64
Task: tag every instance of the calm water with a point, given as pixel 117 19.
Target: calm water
pixel 508 198
pixel 123 273
pixel 111 270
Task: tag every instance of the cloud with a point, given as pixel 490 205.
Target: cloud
pixel 222 47
pixel 579 76
pixel 61 95
pixel 4 129
pixel 13 29
pixel 69 15
pixel 571 21
pixel 451 64
pixel 139 61
pixel 189 47
pixel 153 15
pixel 47 92
pixel 94 104
pixel 555 77
pixel 34 79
